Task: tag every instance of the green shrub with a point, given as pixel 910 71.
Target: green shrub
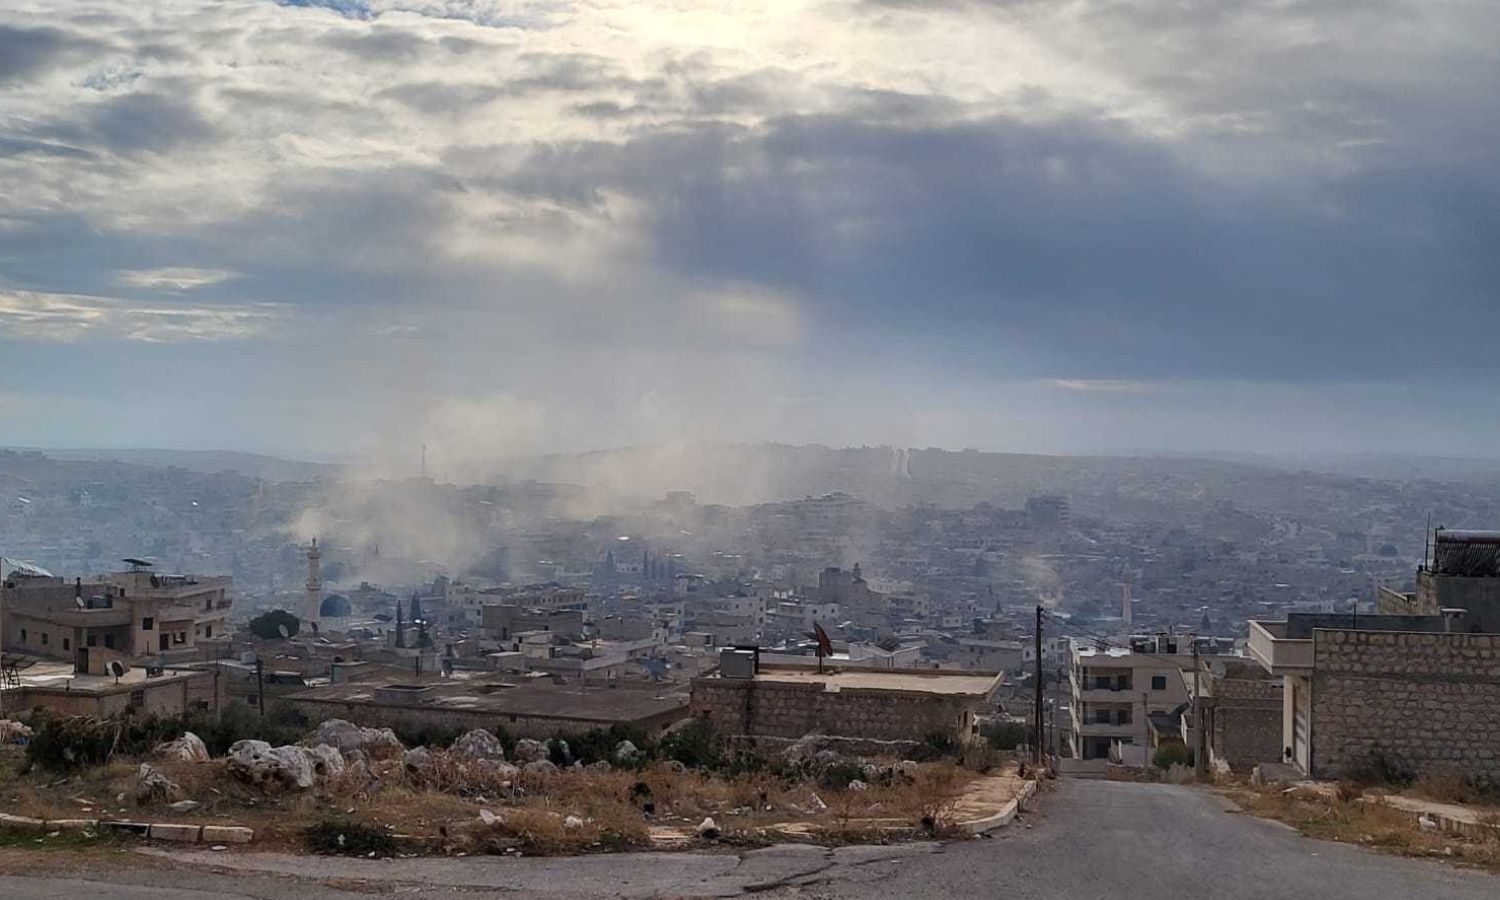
pixel 695 745
pixel 1381 766
pixel 1005 735
pixel 934 747
pixel 344 837
pixel 268 625
pixel 1169 755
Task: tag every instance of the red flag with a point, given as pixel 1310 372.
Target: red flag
pixel 825 646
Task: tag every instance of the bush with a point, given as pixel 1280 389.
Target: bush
pixel 1381 766
pixel 1005 735
pixel 343 837
pixel 1169 755
pixel 267 626
pixel 934 747
pixel 600 743
pixel 64 743
pixel 694 745
pixel 436 736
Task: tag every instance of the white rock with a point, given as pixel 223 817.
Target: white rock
pixel 326 761
pixel 708 829
pixel 572 823
pixel 817 803
pixel 857 785
pixel 478 744
pixel 151 786
pixel 529 751
pixel 626 752
pixel 416 760
pixel 540 767
pixel 188 748
pixel 346 737
pixel 272 768
pixel 184 806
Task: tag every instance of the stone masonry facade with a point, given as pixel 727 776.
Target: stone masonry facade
pixel 762 708
pixel 1429 703
pixel 1245 725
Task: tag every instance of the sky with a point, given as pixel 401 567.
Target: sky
pixel 351 227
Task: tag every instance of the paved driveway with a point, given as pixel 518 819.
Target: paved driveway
pixel 1091 839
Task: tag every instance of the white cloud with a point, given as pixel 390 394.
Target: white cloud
pixel 176 278
pixel 1100 386
pixel 34 316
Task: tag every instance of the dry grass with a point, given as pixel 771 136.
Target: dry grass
pixel 1376 825
pixel 442 808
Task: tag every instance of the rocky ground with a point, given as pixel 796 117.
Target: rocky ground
pixel 350 790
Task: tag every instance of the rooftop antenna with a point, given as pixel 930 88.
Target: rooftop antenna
pixel 1426 539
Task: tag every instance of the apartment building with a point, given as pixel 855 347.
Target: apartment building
pixel 1116 690
pixel 131 615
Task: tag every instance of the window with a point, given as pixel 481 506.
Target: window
pixel 1101 717
pixel 147 623
pixel 23 635
pixel 44 638
pixel 137 699
pixel 109 641
pixel 1123 718
pixel 93 640
pixel 208 631
pixel 1158 682
pixel 67 644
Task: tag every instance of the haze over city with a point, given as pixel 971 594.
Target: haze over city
pixel 327 229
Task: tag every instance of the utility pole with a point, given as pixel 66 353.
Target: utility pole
pixel 260 685
pixel 1200 764
pixel 1037 745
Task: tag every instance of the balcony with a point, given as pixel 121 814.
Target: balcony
pixel 1107 729
pixel 1277 653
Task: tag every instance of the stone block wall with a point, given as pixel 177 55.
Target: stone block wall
pixel 1427 702
pixel 783 710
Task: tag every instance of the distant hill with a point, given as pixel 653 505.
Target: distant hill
pixel 251 465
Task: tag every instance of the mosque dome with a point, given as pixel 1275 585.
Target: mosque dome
pixel 335 606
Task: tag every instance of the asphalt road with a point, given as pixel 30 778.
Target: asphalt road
pixel 1088 839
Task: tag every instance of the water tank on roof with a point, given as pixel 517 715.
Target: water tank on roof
pixel 737 664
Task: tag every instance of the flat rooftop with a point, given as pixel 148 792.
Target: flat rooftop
pixel 533 699
pixel 59 676
pixel 924 681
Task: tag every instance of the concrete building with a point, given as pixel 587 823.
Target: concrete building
pixel 1418 693
pixel 504 621
pixel 1464 573
pixel 780 703
pixel 1116 690
pixel 534 708
pixel 1242 710
pixel 131 615
pixel 57 687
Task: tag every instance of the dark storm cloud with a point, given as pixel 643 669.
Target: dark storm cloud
pixel 1072 240
pixel 27 52
pixel 133 123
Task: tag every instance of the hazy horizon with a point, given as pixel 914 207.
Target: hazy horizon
pixel 346 228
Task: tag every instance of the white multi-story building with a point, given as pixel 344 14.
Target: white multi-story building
pixel 1116 690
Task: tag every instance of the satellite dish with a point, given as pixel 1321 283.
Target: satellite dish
pixel 116 668
pixel 79 602
pixel 1218 668
pixel 282 629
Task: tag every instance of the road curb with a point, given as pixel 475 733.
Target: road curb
pixel 1001 818
pixel 161 831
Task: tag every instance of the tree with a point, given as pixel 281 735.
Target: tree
pixel 267 626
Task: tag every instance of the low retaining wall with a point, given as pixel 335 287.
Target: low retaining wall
pixel 160 831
